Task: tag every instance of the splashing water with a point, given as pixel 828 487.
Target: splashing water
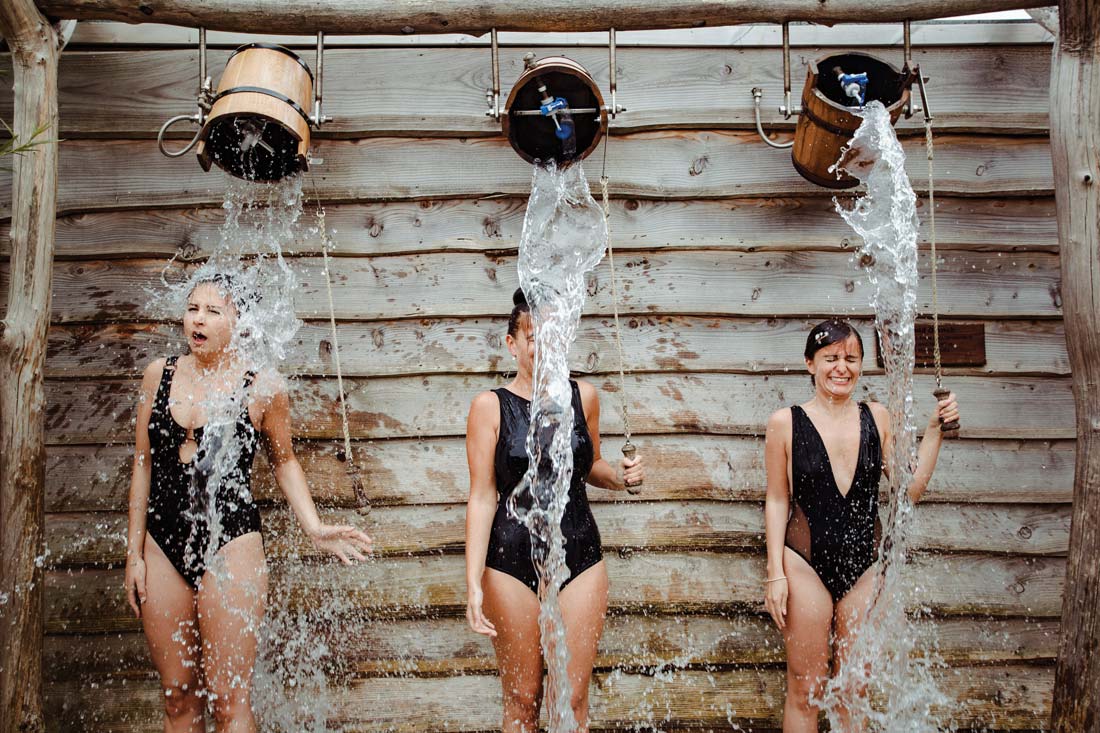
pixel 887 684
pixel 564 237
pixel 290 689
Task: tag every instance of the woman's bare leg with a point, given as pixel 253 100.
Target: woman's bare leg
pixel 231 602
pixel 584 608
pixel 170 621
pixel 809 623
pixel 514 610
pixel 850 613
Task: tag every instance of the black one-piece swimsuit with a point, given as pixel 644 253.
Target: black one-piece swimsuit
pixel 177 518
pixel 510 542
pixel 836 534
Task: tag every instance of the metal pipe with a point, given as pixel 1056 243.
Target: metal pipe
pixel 757 94
pixel 786 108
pixel 319 116
pixel 614 109
pixel 492 96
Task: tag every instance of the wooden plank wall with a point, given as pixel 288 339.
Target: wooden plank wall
pixel 726 258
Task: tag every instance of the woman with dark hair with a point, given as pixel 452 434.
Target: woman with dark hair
pixel 824 459
pixel 502 586
pixel 196 575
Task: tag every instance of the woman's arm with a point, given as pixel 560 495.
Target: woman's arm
pixel 482 428
pixel 947 410
pixel 928 452
pixel 602 473
pixel 344 541
pixel 139 489
pixel 777 503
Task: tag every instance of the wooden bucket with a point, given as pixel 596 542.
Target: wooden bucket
pixel 533 136
pixel 827 123
pixel 258 126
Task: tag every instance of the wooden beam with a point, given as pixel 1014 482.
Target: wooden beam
pixel 1075 150
pixel 23 331
pixel 477 16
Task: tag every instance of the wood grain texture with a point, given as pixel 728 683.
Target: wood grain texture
pixel 472 225
pixel 86 540
pixel 1004 698
pixel 476 345
pixel 131 174
pixel 476 18
pixel 680 467
pixel 650 644
pixel 727 404
pixel 761 284
pixel 441 92
pixel 91 601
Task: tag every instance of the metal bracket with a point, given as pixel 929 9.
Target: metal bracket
pixel 614 108
pixel 204 100
pixel 318 117
pixel 492 96
pixel 915 75
pixel 787 110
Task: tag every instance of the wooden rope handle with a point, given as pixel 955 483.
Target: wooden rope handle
pixel 949 429
pixel 629 451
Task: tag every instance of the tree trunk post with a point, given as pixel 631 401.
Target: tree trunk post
pixel 35 50
pixel 1075 149
pixel 480 16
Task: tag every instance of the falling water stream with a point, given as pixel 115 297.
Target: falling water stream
pixel 564 237
pixel 888 684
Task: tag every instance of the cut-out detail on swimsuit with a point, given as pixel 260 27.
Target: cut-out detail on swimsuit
pixel 837 534
pixel 509 541
pixel 177 518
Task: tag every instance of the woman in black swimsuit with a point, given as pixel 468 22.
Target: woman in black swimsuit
pixel 502 600
pixel 823 539
pixel 201 620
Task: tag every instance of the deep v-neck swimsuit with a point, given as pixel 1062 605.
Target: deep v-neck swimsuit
pixel 509 541
pixel 837 534
pixel 178 519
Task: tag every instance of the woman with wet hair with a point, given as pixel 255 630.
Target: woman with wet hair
pixel 502 586
pixel 196 575
pixel 824 459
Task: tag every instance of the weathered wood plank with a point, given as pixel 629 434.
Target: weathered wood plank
pixel 76 540
pixel 476 345
pixel 761 284
pixel 733 404
pixel 375 17
pixel 128 174
pixel 928 33
pixel 446 646
pixel 402 227
pixel 91 601
pixel 990 698
pixel 441 92
pixel 696 467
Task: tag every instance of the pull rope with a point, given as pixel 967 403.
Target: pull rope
pixel 628 449
pixel 940 392
pixel 932 245
pixel 352 467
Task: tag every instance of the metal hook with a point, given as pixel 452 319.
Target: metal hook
pixel 318 117
pixel 492 96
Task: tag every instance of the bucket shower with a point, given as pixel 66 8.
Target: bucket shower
pixel 837 88
pixel 555 111
pixel 257 124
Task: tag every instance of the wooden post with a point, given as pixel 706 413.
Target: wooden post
pixel 34 51
pixel 1075 149
pixel 479 16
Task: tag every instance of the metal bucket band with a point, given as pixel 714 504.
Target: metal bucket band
pixel 269 92
pixel 280 49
